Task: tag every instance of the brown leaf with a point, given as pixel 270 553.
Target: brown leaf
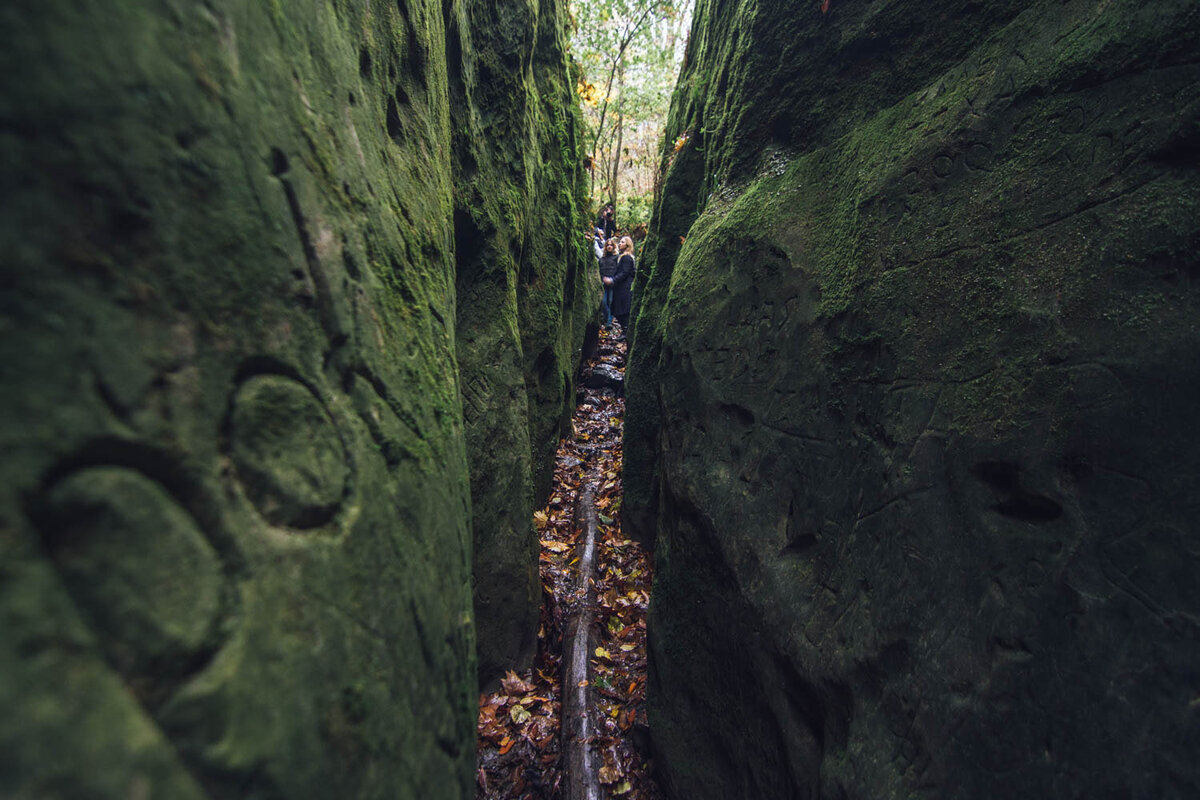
pixel 608 775
pixel 513 685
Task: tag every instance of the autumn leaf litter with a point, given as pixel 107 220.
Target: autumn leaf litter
pixel 519 745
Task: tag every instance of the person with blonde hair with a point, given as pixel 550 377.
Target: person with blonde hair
pixel 622 285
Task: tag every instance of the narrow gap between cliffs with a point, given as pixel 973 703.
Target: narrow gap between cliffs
pixel 526 749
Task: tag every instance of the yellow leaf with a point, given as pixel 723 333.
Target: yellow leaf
pixel 625 648
pixel 622 788
pixel 520 714
pixel 602 653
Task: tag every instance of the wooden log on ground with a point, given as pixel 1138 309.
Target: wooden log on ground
pixel 579 771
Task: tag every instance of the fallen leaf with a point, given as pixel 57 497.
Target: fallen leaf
pixel 513 685
pixel 623 787
pixel 520 714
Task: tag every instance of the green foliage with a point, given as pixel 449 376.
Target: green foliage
pixel 636 210
pixel 629 53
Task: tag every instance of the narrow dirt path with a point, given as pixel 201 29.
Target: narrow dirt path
pixel 520 745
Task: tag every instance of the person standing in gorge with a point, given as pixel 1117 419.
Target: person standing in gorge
pixel 608 268
pixel 607 222
pixel 623 283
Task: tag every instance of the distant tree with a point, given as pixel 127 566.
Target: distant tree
pixel 629 53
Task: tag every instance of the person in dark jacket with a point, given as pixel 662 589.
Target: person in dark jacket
pixel 607 222
pixel 623 283
pixel 608 268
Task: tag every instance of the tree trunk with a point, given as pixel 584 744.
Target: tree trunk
pixel 616 165
pixel 580 768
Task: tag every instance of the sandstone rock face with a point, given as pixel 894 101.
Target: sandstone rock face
pixel 912 403
pixel 524 296
pixel 235 531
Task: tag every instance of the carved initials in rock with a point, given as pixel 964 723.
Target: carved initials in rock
pixel 475 397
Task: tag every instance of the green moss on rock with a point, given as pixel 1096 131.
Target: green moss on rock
pixel 907 402
pixel 236 511
pixel 524 293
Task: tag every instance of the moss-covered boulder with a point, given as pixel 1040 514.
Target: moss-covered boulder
pixel 912 402
pixel 235 532
pixel 524 296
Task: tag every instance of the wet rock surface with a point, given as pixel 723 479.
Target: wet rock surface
pixel 910 414
pixel 605 378
pixel 235 511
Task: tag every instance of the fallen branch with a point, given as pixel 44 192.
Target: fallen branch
pixel 580 771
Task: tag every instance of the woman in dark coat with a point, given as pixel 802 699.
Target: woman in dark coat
pixel 623 283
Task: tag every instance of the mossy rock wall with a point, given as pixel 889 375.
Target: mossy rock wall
pixel 235 505
pixel 524 297
pixel 912 403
